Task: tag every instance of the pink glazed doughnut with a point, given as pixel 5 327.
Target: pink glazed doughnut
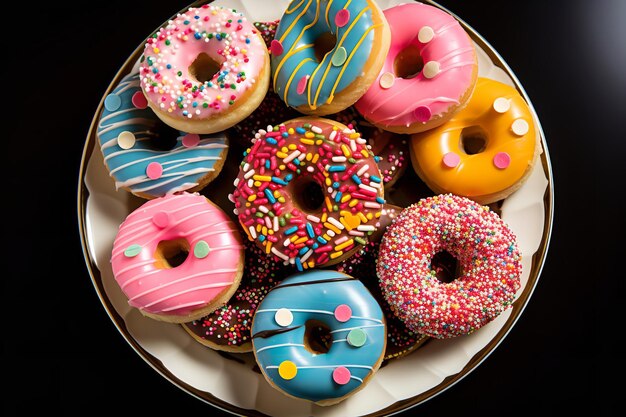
pixel 178 258
pixel 429 73
pixel 205 70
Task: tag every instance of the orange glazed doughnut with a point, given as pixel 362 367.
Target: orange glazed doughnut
pixel 485 152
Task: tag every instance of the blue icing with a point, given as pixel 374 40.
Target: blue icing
pixel 314 378
pixel 357 42
pixel 183 167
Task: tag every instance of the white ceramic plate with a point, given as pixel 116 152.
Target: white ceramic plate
pixel 215 378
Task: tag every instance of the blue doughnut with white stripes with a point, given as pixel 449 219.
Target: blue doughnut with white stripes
pixel 319 336
pixel 131 138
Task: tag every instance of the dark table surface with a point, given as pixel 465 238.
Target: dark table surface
pixel 61 352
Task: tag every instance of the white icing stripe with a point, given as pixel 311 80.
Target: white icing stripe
pixel 277 346
pixel 187 291
pixel 188 277
pixel 332 313
pixel 340 340
pixel 358 327
pixel 323 366
pixel 357 378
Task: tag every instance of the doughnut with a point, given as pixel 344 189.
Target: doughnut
pixel 428 75
pixel 326 53
pixel 132 139
pixel 400 340
pixel 205 70
pixel 177 258
pixel 488 268
pixel 228 327
pixel 309 192
pixel 319 336
pixel 485 152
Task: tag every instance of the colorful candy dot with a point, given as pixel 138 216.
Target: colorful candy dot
pixel 502 160
pixel 161 219
pixel 356 337
pixel 191 140
pixel 339 57
pixel 431 69
pixel 283 317
pixel 302 84
pixel 520 127
pixel 341 375
pixel 422 114
pixel 276 48
pixel 154 170
pixel 201 249
pixel 139 100
pixel 112 102
pixel 501 104
pixel 451 159
pixel 132 250
pixel 426 34
pixel 287 370
pixel 342 18
pixel 343 313
pixel 387 80
pixel 126 140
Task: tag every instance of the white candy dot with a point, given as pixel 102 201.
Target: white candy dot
pixel 126 140
pixel 425 34
pixel 431 69
pixel 520 127
pixel 501 105
pixel 387 80
pixel 283 317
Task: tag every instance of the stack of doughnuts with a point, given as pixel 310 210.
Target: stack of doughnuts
pixel 295 253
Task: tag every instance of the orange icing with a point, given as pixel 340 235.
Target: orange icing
pixel 499 115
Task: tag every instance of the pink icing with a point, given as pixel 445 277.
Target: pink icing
pixel 165 72
pixel 195 282
pixel 450 46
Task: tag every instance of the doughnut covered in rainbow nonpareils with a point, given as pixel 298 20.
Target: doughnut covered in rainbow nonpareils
pixel 205 70
pixel 319 336
pixel 131 138
pixel 489 264
pixel 428 75
pixel 177 258
pixel 485 152
pixel 309 192
pixel 326 53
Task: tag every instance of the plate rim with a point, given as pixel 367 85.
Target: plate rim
pixel 537 263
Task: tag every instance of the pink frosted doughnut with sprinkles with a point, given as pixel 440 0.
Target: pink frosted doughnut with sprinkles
pixel 309 192
pixel 489 266
pixel 205 70
pixel 178 258
pixel 428 75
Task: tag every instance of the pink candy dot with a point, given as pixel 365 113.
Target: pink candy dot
pixel 341 375
pixel 154 170
pixel 343 313
pixel 502 160
pixel 161 219
pixel 302 84
pixel 190 140
pixel 451 159
pixel 422 114
pixel 139 100
pixel 276 48
pixel 342 18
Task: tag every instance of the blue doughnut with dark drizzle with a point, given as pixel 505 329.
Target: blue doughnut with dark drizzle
pixel 319 336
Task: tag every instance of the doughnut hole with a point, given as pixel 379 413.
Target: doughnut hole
pixel 473 140
pixel 171 253
pixel 203 68
pixel 308 195
pixel 446 267
pixel 408 63
pixel 164 140
pixel 323 45
pixel 317 337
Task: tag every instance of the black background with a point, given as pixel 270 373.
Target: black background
pixel 61 353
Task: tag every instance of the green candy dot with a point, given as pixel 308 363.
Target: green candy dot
pixel 339 57
pixel 132 250
pixel 201 250
pixel 357 337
